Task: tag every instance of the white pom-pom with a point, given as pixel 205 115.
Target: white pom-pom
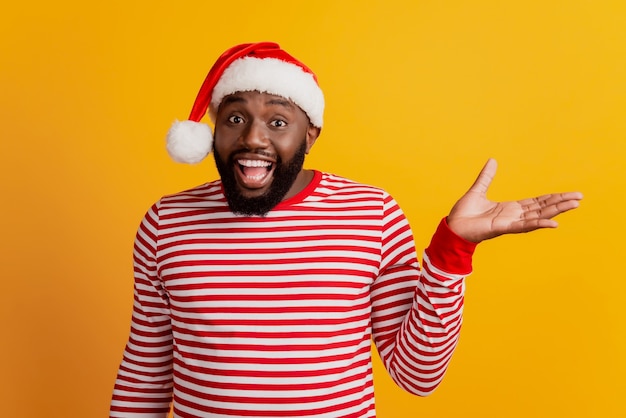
pixel 189 142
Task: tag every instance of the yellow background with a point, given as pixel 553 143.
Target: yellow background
pixel 419 94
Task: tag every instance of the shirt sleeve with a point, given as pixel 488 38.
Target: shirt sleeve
pixel 143 387
pixel 417 311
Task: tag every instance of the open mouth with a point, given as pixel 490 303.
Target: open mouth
pixel 254 173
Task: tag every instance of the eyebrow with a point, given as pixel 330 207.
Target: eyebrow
pixel 274 101
pixel 233 99
pixel 280 102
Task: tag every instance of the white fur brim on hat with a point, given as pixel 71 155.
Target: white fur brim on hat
pixel 273 76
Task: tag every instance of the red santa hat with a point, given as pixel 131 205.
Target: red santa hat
pixel 263 67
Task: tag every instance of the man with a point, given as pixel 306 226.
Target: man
pixel 258 294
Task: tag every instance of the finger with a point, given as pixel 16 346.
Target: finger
pixel 532 225
pixel 539 202
pixel 484 179
pixel 553 196
pixel 550 211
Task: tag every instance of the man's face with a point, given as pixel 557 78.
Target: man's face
pixel 259 148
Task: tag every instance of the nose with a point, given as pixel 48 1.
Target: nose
pixel 255 136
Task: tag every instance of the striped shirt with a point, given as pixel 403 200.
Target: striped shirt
pixel 274 316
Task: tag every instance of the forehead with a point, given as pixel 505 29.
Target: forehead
pixel 256 97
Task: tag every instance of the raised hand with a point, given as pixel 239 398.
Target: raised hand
pixel 476 218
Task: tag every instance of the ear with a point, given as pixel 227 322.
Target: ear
pixel 311 135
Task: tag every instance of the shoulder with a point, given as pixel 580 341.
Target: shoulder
pixel 355 194
pixel 336 184
pixel 198 195
pixel 205 201
pixel 207 197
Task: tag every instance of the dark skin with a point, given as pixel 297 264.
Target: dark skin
pixel 476 218
pixel 256 128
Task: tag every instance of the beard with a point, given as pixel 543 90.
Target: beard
pixel 285 174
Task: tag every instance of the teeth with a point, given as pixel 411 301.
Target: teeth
pixel 256 178
pixel 254 163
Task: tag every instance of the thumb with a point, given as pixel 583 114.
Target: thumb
pixel 484 179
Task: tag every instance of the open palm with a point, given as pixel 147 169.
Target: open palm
pixel 476 218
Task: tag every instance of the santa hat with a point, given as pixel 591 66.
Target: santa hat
pixel 262 67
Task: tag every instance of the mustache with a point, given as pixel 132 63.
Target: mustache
pixel 259 152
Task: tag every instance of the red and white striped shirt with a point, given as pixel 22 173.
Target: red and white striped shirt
pixel 274 316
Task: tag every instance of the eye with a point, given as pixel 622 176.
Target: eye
pixel 235 119
pixel 278 123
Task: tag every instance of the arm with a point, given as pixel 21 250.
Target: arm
pixel 417 316
pixel 417 313
pixel 144 381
